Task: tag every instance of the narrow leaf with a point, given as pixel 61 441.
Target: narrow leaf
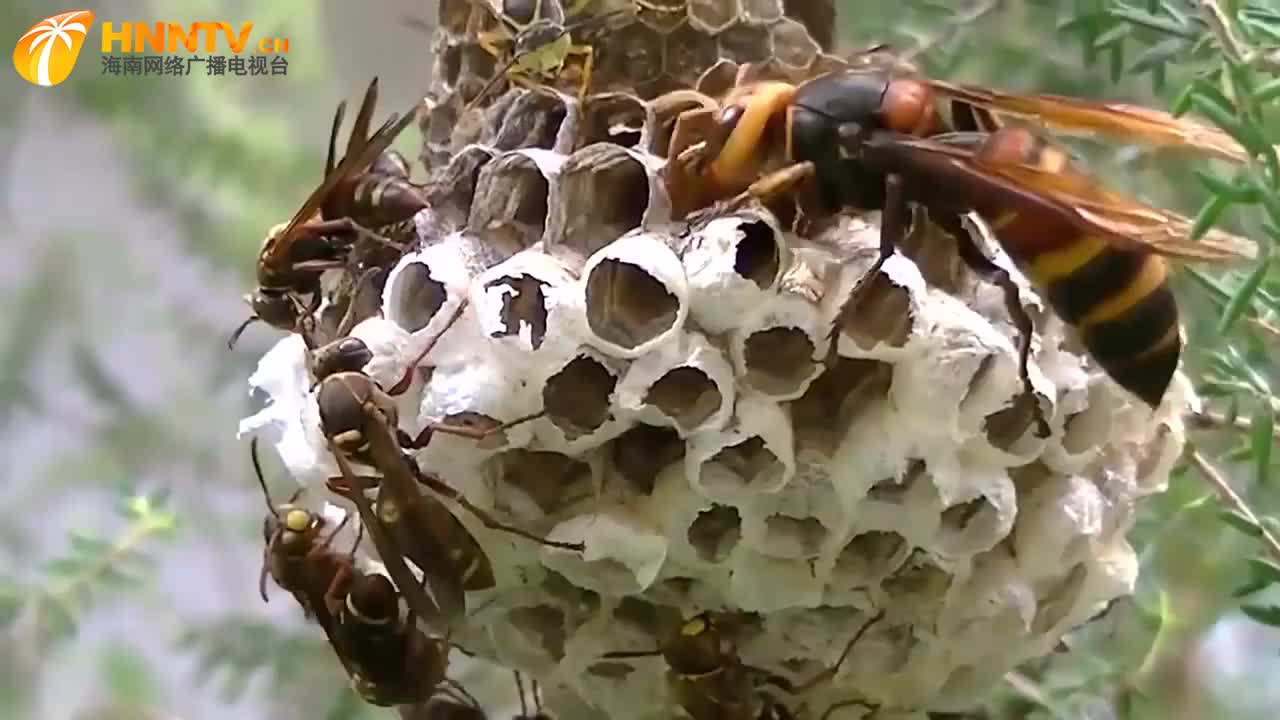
pixel 1157 55
pixel 1264 423
pixel 1249 588
pixel 1265 614
pixel 1241 523
pixel 1264 570
pixel 1237 190
pixel 1209 215
pixel 1266 93
pixel 1243 295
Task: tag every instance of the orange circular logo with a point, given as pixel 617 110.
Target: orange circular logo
pixel 46 53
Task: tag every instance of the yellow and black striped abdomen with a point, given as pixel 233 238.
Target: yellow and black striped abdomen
pixel 1121 305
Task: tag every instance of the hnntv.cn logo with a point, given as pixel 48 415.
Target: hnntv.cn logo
pixel 47 52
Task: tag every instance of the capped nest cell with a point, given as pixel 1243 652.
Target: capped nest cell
pixel 731 417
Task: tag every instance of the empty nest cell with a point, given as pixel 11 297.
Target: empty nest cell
pixel 524 306
pixel 868 558
pixel 454 188
pixel 758 256
pixel 792 48
pixel 743 43
pixel 627 306
pixel 968 527
pixel 879 313
pixel 688 53
pixel 1004 428
pixel 511 189
pixel 687 395
pixel 748 463
pixel 892 491
pixel 792 537
pixel 615 118
pixel 919 582
pixel 635 56
pixel 715 532
pixel 550 479
pixel 642 452
pixel 778 360
pixel 532 120
pixel 415 297
pixel 576 398
pixel 603 193
pixel 713 16
pixel 836 399
pixel 1086 430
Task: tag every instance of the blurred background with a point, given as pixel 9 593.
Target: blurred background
pixel 133 208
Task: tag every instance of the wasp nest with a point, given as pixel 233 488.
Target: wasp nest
pixel 700 433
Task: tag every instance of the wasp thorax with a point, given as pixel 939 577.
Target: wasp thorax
pixel 298 521
pixel 348 354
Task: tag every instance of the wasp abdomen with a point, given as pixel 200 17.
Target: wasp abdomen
pixel 1121 305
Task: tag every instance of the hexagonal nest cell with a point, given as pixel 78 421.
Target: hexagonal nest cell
pixel 628 306
pixel 691 425
pixel 577 397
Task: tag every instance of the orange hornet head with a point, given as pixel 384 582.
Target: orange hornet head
pixel 46 53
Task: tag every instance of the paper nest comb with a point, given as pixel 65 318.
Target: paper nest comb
pixel 698 440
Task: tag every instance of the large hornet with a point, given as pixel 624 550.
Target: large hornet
pixel 360 199
pixel 870 137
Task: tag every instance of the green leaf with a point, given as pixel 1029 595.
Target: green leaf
pixel 1264 423
pixel 1243 295
pixel 1114 36
pixel 85 544
pixel 1266 93
pixel 1117 61
pixel 1249 588
pixel 1209 215
pixel 1237 190
pixel 1151 22
pixel 1264 570
pixel 1224 117
pixel 1154 57
pixel 1265 614
pixel 1241 523
pixel 1182 103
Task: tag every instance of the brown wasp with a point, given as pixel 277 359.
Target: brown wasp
pixel 367 189
pixel 360 422
pixel 710 681
pixel 296 554
pixel 389 659
pixel 871 138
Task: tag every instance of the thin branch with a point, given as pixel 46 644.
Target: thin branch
pixel 952 26
pixel 1235 48
pixel 1206 420
pixel 1228 496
